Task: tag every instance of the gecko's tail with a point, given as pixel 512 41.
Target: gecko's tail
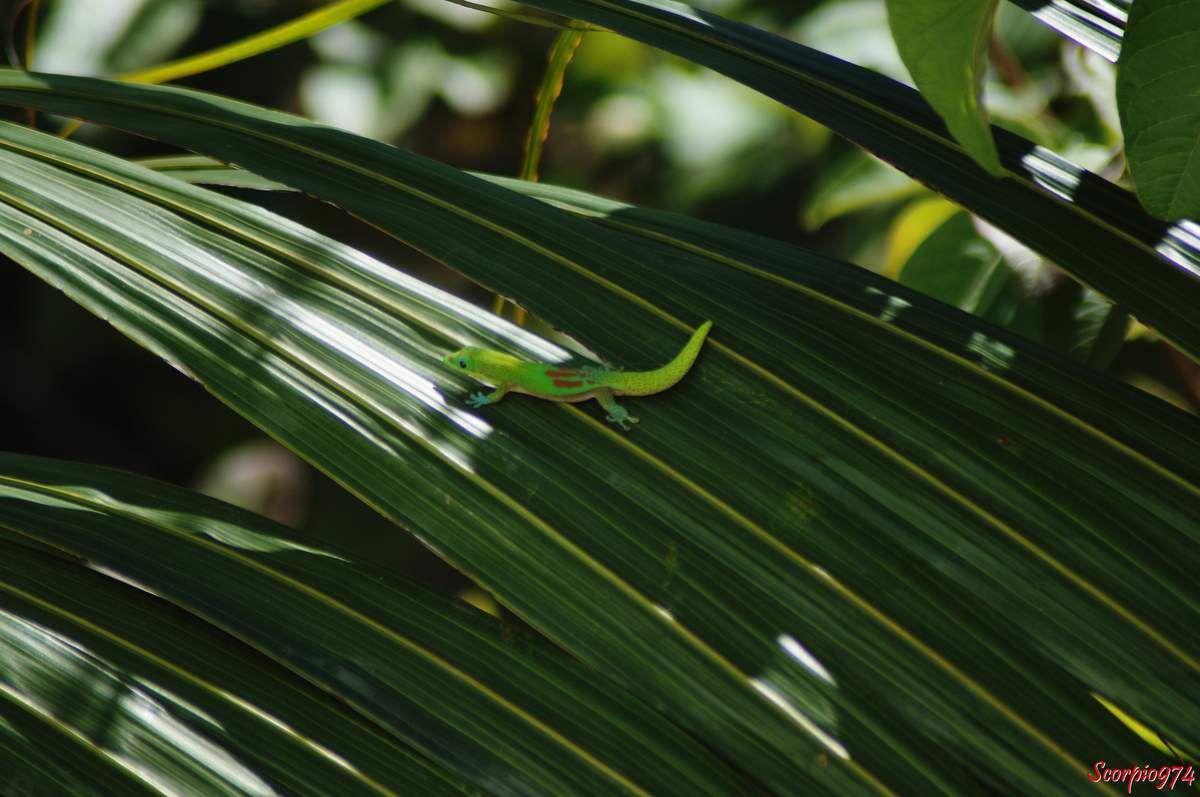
pixel 644 383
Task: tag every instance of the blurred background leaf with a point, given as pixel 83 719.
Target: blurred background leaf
pixel 1158 77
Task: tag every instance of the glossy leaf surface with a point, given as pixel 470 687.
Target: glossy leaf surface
pixel 1096 24
pixel 1082 223
pixel 861 511
pixel 198 712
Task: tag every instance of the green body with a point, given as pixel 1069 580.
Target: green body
pixel 563 383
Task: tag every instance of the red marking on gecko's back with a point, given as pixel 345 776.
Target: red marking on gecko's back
pixel 568 383
pixel 555 373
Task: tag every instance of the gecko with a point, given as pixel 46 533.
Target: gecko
pixel 509 374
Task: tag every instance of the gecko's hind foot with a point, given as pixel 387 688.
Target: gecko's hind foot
pixel 621 420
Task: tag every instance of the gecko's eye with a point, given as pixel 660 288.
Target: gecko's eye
pixel 462 362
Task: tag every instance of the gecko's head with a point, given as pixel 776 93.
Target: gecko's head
pixel 491 367
pixel 465 360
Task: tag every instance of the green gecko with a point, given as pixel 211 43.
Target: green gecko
pixel 509 374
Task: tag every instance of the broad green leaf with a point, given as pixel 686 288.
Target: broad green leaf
pixel 913 311
pixel 1098 327
pixel 87 652
pixel 1096 24
pixel 50 758
pixel 1097 334
pixel 944 44
pixel 1035 369
pixel 338 357
pixel 842 546
pixel 1158 97
pixel 139 690
pixel 1084 224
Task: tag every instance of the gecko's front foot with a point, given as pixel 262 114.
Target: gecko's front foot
pixel 478 399
pixel 621 418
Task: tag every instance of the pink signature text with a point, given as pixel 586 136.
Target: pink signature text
pixel 1161 777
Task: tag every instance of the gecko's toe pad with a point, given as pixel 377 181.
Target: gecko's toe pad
pixel 621 419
